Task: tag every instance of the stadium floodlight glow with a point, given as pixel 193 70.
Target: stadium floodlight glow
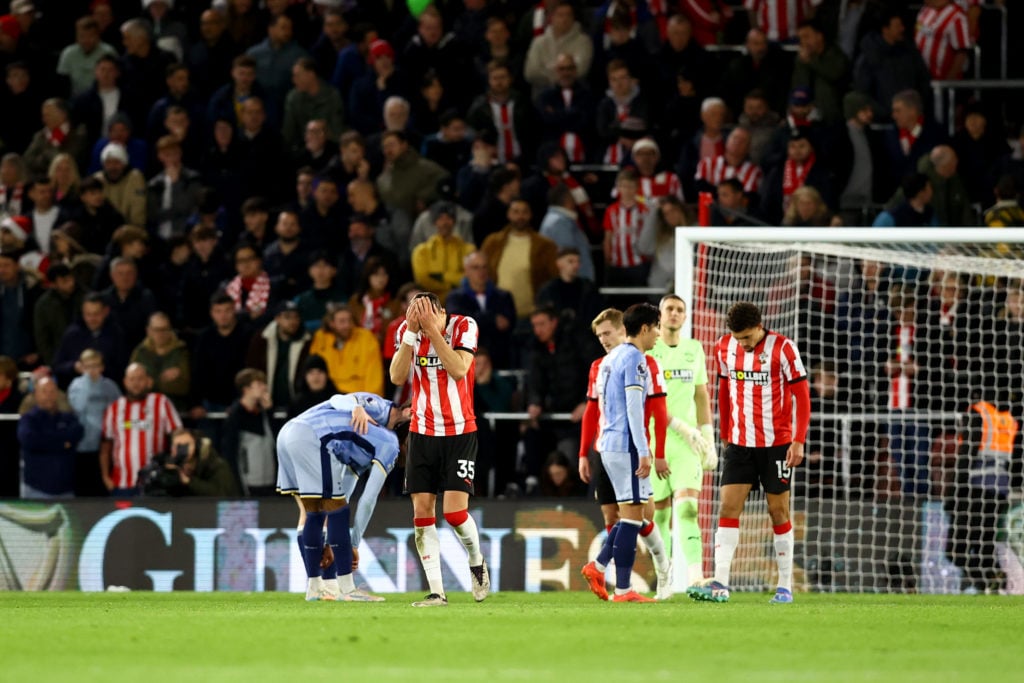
pixel 902 330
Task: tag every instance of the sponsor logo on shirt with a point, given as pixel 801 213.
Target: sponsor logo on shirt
pixel 428 361
pixel 758 378
pixel 141 425
pixel 684 375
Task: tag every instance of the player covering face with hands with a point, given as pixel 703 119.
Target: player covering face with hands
pixel 437 351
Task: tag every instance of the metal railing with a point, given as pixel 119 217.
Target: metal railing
pixel 945 111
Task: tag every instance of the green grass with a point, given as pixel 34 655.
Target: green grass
pixel 201 637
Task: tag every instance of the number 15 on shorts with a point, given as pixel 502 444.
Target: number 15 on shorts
pixel 781 466
pixel 467 469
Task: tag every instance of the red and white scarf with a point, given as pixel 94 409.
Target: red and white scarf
pixel 584 210
pixel 251 294
pixel 56 136
pixel 11 199
pixel 909 137
pixel 794 175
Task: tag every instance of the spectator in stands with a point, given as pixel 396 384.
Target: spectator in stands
pixel 311 99
pixel 211 56
pixel 168 33
pixel 734 162
pixel 561 225
pixel 96 106
pixel 205 270
pixel 19 292
pixel 10 400
pixel 286 260
pixel 172 196
pixel 450 147
pixel 502 109
pixel 913 212
pixel 255 217
pixel 143 65
pixel 763 66
pixel 562 35
pixel 250 288
pixel 800 169
pixel 320 220
pixel 858 160
pixel 89 395
pixel 949 198
pixel 408 182
pixel 1006 212
pixel 135 428
pixel 493 308
pixel 566 109
pixel 96 216
pixel 352 353
pixel 558 367
pixel 371 91
pixel 397 117
pixel 57 135
pixel 219 354
pixel 623 220
pixel 315 153
pixel 179 94
pixel 559 478
pixel 732 206
pixel 568 291
pixel 760 121
pixel 824 69
pixel 979 150
pixel 372 304
pixel 123 185
pixel 248 441
pixel 166 359
pixel 944 38
pixel 226 101
pixel 274 57
pixel 14 200
pixel 708 143
pixel 552 170
pixel 495 393
pixel 434 49
pixel 952 324
pixel 48 438
pixel 44 213
pixel 391 226
pixel 471 182
pixel 264 161
pixel 130 302
pixel 77 61
pixel 657 241
pixel 623 99
pixel 429 101
pixel 21 100
pixel 808 210
pixel 63 173
pixel 312 386
pixel 521 259
pixel 681 50
pixel 55 310
pixel 889 64
pixel 914 136
pixel 362 246
pixel 279 350
pixel 97 330
pixel 437 263
pixel 326 288
pixel 332 40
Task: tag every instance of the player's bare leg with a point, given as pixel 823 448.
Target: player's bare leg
pixel 424 507
pixel 456 513
pixel 727 538
pixel 778 510
pixel 630 522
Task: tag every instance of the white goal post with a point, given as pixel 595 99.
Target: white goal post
pixel 902 330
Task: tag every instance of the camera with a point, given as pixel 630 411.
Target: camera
pixel 156 480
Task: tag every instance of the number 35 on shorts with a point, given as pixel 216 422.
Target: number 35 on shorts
pixel 467 469
pixel 780 465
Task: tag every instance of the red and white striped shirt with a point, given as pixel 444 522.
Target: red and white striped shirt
pixel 540 19
pixel 940 34
pixel 615 154
pixel 663 184
pixel 508 145
pixel 760 401
pixel 139 430
pixel 442 405
pixel 899 390
pixel 714 171
pixel 624 224
pixel 779 18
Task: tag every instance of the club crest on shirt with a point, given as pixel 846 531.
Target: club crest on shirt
pixel 428 361
pixel 762 357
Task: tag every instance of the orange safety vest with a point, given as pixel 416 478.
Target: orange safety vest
pixel 999 430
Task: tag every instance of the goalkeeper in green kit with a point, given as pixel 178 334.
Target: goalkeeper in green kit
pixel 689 444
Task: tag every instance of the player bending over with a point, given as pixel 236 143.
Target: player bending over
pixel 321 454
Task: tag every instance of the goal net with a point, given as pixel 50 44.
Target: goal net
pixel 901 331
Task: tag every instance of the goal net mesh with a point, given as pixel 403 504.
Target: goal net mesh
pixel 899 340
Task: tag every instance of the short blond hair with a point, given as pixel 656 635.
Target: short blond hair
pixel 609 315
pixel 90 355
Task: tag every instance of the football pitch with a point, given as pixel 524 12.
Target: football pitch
pixel 559 636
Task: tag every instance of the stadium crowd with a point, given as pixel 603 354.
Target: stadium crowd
pixel 225 207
